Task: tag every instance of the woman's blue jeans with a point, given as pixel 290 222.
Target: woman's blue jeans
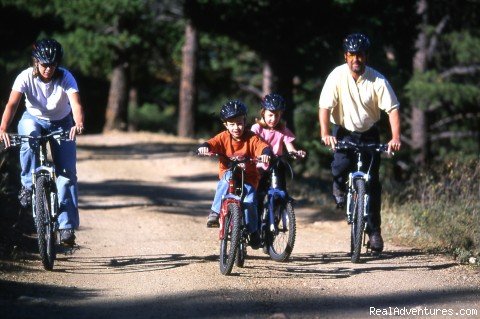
pixel 249 201
pixel 64 155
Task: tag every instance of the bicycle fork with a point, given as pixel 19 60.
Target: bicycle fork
pixel 273 196
pixel 352 192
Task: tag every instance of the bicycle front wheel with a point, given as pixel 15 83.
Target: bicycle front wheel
pixel 358 224
pixel 45 229
pixel 241 254
pixel 282 240
pixel 230 242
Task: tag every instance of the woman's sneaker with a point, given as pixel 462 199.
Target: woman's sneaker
pixel 67 237
pixel 25 197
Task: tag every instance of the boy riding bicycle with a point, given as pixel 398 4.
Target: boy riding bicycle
pixel 236 141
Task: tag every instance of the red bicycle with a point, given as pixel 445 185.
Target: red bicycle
pixel 233 234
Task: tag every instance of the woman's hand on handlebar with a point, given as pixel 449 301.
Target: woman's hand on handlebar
pixel 5 138
pixel 75 130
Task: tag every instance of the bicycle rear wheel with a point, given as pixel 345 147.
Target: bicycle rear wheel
pixel 230 242
pixel 358 224
pixel 45 228
pixel 281 242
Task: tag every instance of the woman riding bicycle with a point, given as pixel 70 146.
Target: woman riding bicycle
pixel 52 102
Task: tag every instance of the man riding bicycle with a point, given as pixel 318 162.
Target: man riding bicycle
pixel 352 100
pixel 52 102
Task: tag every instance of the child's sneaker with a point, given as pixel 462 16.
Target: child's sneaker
pixel 212 221
pixel 67 237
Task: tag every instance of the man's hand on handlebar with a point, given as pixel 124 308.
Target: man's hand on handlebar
pixel 329 140
pixel 394 145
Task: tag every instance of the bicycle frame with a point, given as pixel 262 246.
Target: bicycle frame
pixel 234 194
pixel 358 173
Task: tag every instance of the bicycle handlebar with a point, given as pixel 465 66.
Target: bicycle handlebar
pixel 17 139
pixel 236 159
pixel 361 147
pixel 292 155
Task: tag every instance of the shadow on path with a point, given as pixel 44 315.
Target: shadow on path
pixel 131 193
pixel 127 264
pixel 291 302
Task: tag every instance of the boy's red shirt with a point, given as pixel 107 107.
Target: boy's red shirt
pixel 250 145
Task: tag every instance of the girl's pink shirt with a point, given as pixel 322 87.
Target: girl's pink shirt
pixel 275 138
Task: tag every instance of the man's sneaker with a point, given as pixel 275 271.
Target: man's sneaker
pixel 25 197
pixel 67 237
pixel 376 241
pixel 212 221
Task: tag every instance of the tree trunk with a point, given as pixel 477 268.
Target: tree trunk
pixel 267 79
pixel 133 107
pixel 283 85
pixel 116 116
pixel 418 121
pixel 186 113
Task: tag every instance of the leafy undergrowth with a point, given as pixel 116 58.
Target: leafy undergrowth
pixel 438 211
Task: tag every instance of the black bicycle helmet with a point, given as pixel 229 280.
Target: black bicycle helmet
pixel 47 51
pixel 232 109
pixel 356 42
pixel 273 102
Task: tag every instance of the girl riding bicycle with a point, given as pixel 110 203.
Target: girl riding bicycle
pixel 236 141
pixel 52 102
pixel 273 130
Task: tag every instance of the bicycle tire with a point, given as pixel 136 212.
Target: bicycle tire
pixel 241 254
pixel 230 242
pixel 358 224
pixel 280 244
pixel 45 229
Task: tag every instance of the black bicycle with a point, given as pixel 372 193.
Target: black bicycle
pixel 44 193
pixel 358 199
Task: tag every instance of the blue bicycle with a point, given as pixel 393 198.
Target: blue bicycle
pixel 278 224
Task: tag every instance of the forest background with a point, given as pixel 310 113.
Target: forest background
pixel 168 66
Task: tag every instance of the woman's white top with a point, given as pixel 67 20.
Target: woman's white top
pixel 47 101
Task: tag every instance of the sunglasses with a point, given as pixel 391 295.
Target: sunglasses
pixel 48 65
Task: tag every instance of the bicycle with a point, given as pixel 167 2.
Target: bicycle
pixel 44 193
pixel 233 234
pixel 278 223
pixel 358 200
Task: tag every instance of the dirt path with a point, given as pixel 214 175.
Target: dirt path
pixel 145 253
